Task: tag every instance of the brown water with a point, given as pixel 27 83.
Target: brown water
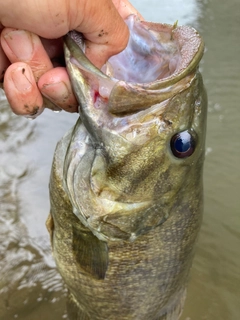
pixel 30 287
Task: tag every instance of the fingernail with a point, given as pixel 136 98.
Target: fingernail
pixel 36 112
pixel 23 79
pixel 56 92
pixel 20 43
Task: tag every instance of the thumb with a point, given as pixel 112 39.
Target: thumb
pixel 105 31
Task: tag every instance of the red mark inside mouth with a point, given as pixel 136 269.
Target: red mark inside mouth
pixel 96 95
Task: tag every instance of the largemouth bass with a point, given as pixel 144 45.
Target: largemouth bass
pixel 126 183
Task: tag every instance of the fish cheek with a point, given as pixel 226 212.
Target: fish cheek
pixel 162 184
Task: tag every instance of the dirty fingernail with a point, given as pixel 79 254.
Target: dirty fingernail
pixel 20 43
pixel 23 79
pixel 35 113
pixel 56 91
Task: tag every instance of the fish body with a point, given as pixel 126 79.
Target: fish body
pixel 126 184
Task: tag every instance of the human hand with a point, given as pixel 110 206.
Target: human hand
pixel 27 56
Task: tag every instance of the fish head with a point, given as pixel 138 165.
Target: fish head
pixel 142 129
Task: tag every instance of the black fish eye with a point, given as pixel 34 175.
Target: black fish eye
pixel 183 144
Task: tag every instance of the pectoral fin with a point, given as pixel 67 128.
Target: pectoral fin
pixel 50 226
pixel 74 309
pixel 90 252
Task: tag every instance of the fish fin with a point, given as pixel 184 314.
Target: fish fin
pixel 74 310
pixel 173 309
pixel 50 226
pixel 90 252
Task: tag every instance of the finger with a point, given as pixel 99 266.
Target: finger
pixel 24 46
pixel 56 86
pixel 105 37
pixel 4 63
pixel 27 47
pixel 125 8
pixel 49 19
pixel 22 91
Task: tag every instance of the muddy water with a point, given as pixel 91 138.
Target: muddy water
pixel 30 287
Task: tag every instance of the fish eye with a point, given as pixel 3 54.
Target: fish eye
pixel 183 144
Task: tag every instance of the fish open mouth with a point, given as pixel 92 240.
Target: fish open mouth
pixel 157 57
pixel 149 55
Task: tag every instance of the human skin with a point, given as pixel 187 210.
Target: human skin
pixel 31 36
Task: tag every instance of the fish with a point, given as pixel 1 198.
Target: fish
pixel 126 186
